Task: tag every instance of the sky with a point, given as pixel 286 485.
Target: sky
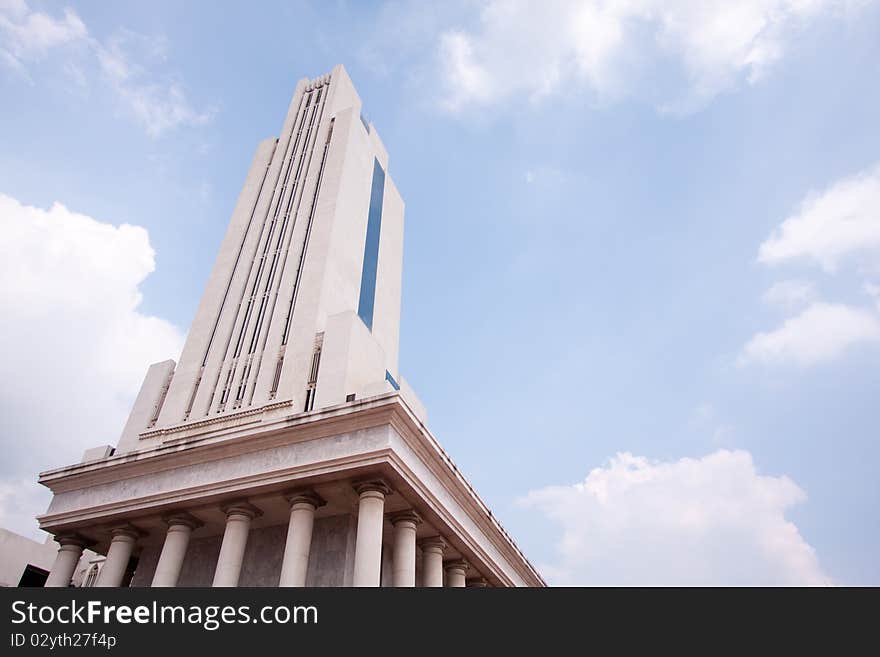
pixel 642 258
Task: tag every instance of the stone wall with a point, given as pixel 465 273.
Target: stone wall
pixel 331 557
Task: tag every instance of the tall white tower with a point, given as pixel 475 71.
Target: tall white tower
pixel 285 449
pixel 303 303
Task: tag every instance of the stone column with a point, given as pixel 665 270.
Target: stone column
pixel 180 528
pixel 235 536
pixel 66 560
pixel 455 573
pixel 368 548
pixel 295 564
pixel 403 565
pixel 432 561
pixel 116 563
pixel 478 583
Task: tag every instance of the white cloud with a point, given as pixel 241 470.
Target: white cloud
pixel 790 294
pixel 707 521
pixel 843 219
pixel 28 35
pixel 839 222
pixel 128 62
pixel 75 346
pixel 819 334
pixel 607 45
pixel 472 82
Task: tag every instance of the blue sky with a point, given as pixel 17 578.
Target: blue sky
pixel 642 258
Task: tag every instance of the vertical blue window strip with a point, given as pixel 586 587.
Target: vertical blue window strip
pixel 390 379
pixel 371 247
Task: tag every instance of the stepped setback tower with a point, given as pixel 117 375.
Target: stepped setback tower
pixel 285 448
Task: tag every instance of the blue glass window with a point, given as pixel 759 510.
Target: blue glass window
pixel 390 379
pixel 371 247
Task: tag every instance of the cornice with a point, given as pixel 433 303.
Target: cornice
pixel 501 542
pixel 419 438
pixel 223 419
pixel 218 440
pixel 225 442
pixel 197 497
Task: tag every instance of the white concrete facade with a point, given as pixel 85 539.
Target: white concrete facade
pixel 19 552
pixel 204 469
pixel 285 448
pixel 291 262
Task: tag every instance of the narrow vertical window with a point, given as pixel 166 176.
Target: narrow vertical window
pixel 371 247
pixel 313 373
pixel 277 378
pixel 192 397
pixel 160 402
pixel 91 577
pixel 390 379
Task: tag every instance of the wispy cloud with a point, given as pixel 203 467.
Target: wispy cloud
pixel 705 420
pixel 790 294
pixel 158 106
pixel 819 334
pixel 608 47
pixel 125 62
pixel 829 227
pixel 27 35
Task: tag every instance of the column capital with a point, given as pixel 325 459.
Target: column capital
pixel 409 515
pixel 458 564
pixel 304 496
pixel 182 518
pixel 127 530
pixel 372 486
pixel 477 583
pixel 241 508
pixel 433 544
pixel 73 539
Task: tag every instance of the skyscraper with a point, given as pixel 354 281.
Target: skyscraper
pixel 285 448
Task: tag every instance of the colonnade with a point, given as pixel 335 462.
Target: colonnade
pixel 295 561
